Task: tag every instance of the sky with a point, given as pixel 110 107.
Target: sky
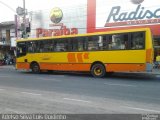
pixel 8 7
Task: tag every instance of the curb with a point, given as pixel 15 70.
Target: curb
pixel 10 66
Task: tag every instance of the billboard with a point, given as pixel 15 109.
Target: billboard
pixel 59 20
pixel 106 15
pixel 95 16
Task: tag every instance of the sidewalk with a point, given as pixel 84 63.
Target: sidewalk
pixel 7 66
pixel 156 71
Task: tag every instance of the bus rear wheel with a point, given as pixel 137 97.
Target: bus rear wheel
pixel 35 68
pixel 98 70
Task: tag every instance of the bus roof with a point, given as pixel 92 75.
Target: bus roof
pixel 86 34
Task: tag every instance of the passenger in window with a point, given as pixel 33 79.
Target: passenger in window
pixel 51 48
pixel 137 45
pixel 123 45
pixel 61 49
pixel 100 45
pixel 114 44
pixel 109 43
pixel 80 48
pixel 41 48
pixel 30 49
pixel 157 62
pixel 137 41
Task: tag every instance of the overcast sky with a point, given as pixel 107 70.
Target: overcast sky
pixel 8 7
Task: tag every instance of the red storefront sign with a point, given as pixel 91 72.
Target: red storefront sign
pixel 117 19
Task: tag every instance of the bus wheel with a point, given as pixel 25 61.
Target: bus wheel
pixel 35 68
pixel 98 70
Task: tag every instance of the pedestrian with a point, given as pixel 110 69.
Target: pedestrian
pixel 158 61
pixel 1 58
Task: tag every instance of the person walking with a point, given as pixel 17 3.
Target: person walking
pixel 1 58
pixel 158 61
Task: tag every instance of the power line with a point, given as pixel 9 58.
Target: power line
pixel 8 6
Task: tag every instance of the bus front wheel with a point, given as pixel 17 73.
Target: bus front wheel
pixel 35 68
pixel 98 70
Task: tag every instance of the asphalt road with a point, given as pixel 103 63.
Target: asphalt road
pixel 24 92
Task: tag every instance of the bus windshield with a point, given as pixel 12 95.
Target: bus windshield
pixel 21 49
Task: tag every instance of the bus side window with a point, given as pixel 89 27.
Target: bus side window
pixel 109 42
pixel 100 42
pixel 40 46
pixel 74 44
pixel 81 43
pixel 47 46
pixel 125 41
pixel 104 42
pixel 137 40
pixel 93 43
pixel 30 48
pixel 60 45
pixel 118 42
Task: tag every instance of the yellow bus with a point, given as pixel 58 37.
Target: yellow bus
pixel 100 53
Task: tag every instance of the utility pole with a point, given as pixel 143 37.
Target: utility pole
pixel 24 19
pixel 22 12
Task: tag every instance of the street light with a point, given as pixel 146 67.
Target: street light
pixel 20 12
pixel 10 9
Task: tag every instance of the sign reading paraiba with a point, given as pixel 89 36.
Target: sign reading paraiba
pixel 56 27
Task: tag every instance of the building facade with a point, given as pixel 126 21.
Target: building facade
pixel 109 15
pixel 7 36
pixel 97 16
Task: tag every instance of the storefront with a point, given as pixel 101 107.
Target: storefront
pixel 7 32
pixel 157 46
pixel 98 16
pixel 108 15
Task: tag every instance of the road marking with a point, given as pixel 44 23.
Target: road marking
pixel 124 85
pixel 158 76
pixel 60 76
pixel 4 76
pixel 147 110
pixel 78 100
pixel 30 93
pixel 50 79
pixel 11 110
